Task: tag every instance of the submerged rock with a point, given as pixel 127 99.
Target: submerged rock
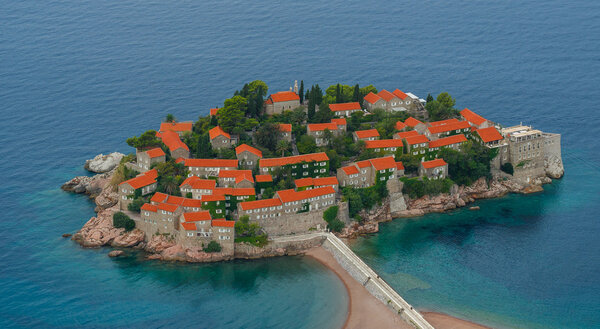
pixel 103 163
pixel 116 253
pixel 66 235
pixel 474 208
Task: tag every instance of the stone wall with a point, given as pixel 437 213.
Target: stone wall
pixel 300 222
pixel 553 164
pixel 278 248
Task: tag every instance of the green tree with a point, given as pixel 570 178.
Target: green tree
pixel 232 115
pixel 356 94
pixel 136 205
pixel 306 144
pixel 330 216
pixel 267 135
pixel 298 116
pixel 170 118
pixel 301 91
pixel 121 220
pixel 146 140
pixel 258 87
pixel 429 98
pixel 282 146
pixel 213 246
pixel 508 168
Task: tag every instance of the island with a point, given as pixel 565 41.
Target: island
pixel 282 173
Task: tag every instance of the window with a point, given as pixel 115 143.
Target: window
pixel 305 166
pixel 218 211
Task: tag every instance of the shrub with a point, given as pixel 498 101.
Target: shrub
pixel 135 205
pixel 120 220
pixel 330 216
pixel 416 188
pixel 213 246
pixel 508 168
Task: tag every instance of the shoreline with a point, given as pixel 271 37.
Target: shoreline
pixel 362 305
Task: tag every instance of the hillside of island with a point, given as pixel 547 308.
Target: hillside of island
pixel 244 180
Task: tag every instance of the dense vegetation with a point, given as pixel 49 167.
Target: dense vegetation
pixel 471 163
pixel 417 187
pixel 170 176
pixel 121 220
pixel 441 108
pixel 249 232
pixel 330 216
pixel 363 198
pixel 146 140
pixel 212 246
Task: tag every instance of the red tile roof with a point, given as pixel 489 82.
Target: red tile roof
pixel 344 107
pixel 214 197
pixel 159 197
pixel 239 175
pixel 350 170
pixel 433 163
pixel 372 98
pixel 216 132
pixel 153 173
pixel 198 183
pixel 449 127
pixel 383 143
pixel 223 223
pixel 249 205
pixel 179 160
pixel 176 200
pixel 367 133
pixel 191 203
pixel 322 181
pixel 263 178
pixel 383 163
pixel 248 148
pixel 291 195
pixel 268 101
pixel 404 134
pixel 234 191
pixel 140 181
pixel 400 94
pixel 399 165
pixel 412 122
pixel 322 126
pixel 188 226
pixel 400 125
pixel 472 117
pixel 175 126
pixel 149 207
pixel 443 122
pixel 489 134
pixel 214 111
pixel 284 96
pixel 196 216
pixel 363 163
pixel 155 152
pixel 172 141
pixel 386 95
pixel 168 207
pixel 339 121
pixel 285 127
pixel 417 139
pixel 274 162
pixel 454 139
pixel 211 163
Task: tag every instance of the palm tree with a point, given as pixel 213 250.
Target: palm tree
pixel 282 146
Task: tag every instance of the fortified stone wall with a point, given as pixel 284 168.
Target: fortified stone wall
pixel 300 222
pixel 278 248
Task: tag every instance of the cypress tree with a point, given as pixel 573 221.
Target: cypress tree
pixel 429 98
pixel 356 95
pixel 338 97
pixel 301 91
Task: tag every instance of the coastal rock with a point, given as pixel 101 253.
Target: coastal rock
pixel 99 231
pixel 158 243
pixel 107 198
pixel 532 189
pixel 357 229
pixel 128 239
pixel 116 253
pixel 103 163
pixel 91 186
pixel 67 235
pixel 191 255
pixel 554 167
pixel 474 208
pixel 397 203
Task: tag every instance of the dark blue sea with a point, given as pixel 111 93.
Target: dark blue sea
pixel 79 77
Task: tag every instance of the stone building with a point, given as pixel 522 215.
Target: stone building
pixel 247 156
pixel 142 184
pixel 492 138
pixel 367 173
pixel 365 135
pixel 145 159
pixel 179 128
pixel 310 183
pixel 475 120
pixel 285 131
pixel 526 152
pixel 433 169
pixel 404 134
pixel 317 130
pixel 396 101
pixel 197 187
pixel 384 146
pixel 304 165
pixel 281 101
pixel 219 139
pixel 417 145
pixel 199 233
pixel 209 167
pixel 288 202
pixel 263 182
pixel 177 148
pixel 415 124
pixel 454 142
pixel 236 178
pixel 345 109
pixel 443 130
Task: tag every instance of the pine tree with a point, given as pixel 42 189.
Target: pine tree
pixel 356 95
pixel 429 98
pixel 301 91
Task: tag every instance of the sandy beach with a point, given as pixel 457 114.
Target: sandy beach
pixel 365 311
pixel 443 321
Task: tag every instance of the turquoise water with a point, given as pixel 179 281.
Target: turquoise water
pixel 79 77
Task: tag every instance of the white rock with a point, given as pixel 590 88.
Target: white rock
pixel 103 163
pixel 554 166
